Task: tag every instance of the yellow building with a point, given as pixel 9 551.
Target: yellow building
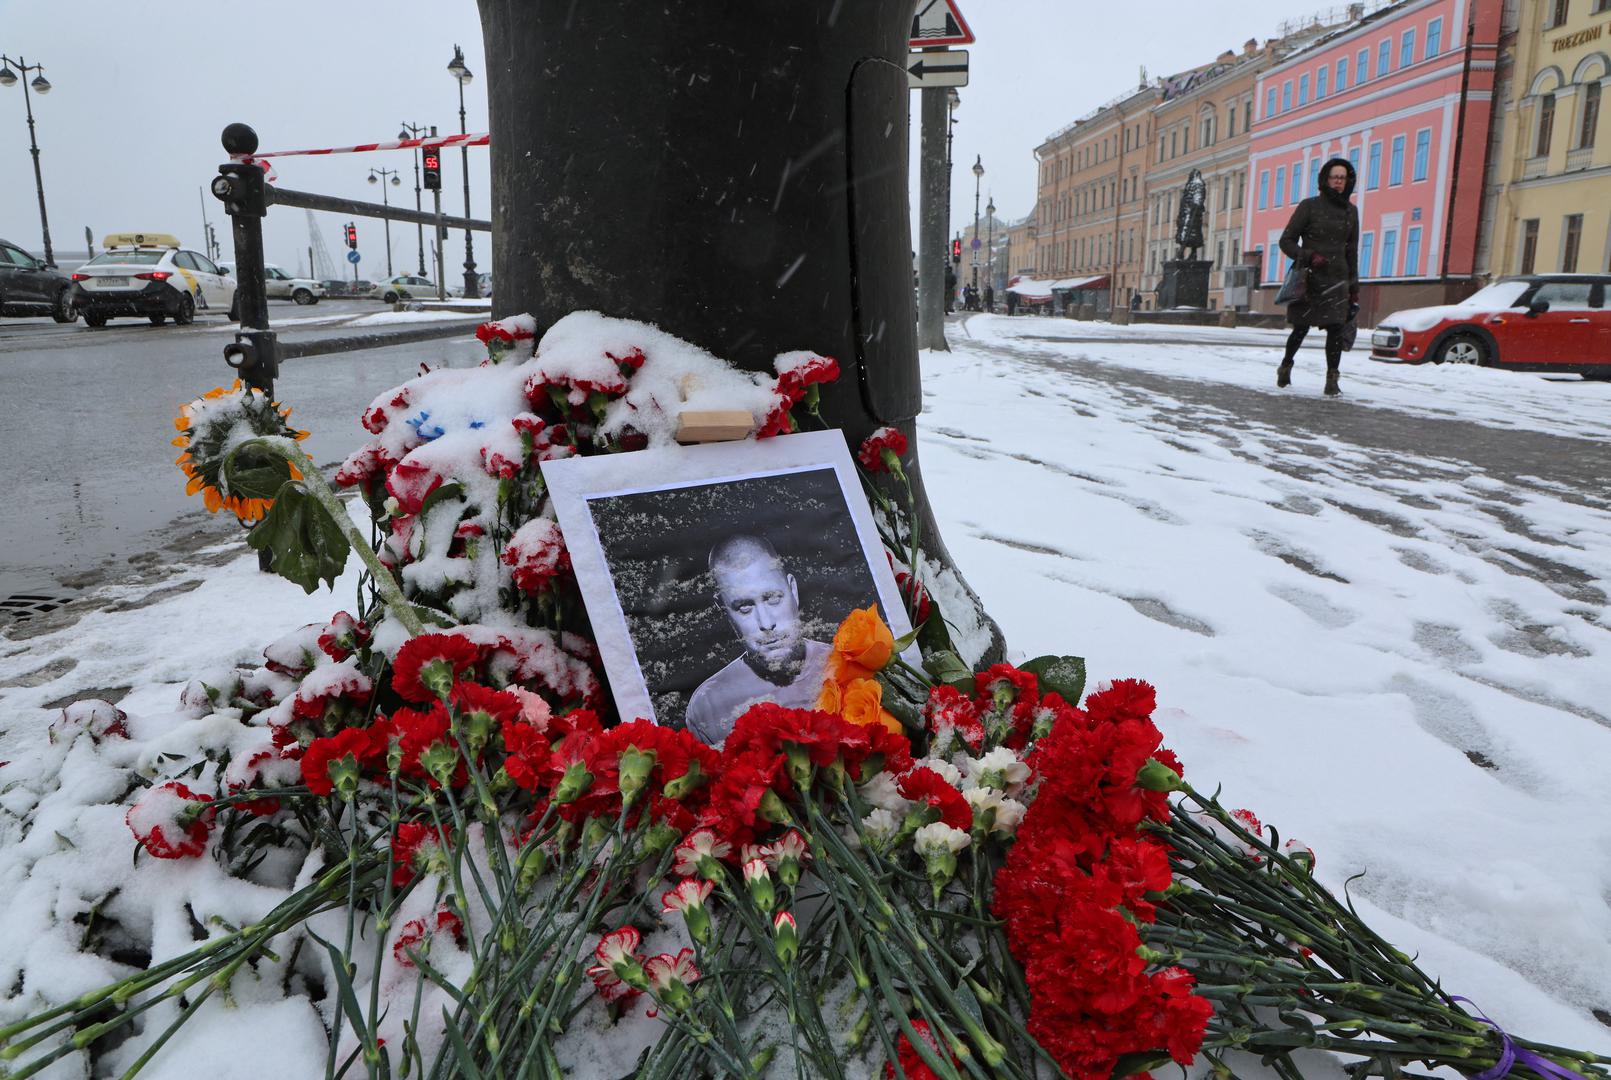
pixel 1550 188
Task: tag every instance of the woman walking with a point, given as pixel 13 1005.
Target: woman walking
pixel 1322 238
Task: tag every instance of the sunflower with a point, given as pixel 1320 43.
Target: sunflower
pixel 213 425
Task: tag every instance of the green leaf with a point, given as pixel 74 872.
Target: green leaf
pixel 462 1052
pixel 1140 1061
pixel 1062 675
pixel 253 471
pixel 307 544
pixel 947 667
pixel 442 493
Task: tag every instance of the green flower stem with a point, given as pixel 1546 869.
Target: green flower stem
pixel 385 584
pixel 151 1051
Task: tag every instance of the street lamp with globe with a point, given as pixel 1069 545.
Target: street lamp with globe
pixel 978 175
pixel 41 85
pixel 461 74
pixel 990 252
pixel 378 176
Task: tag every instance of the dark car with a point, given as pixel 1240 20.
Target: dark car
pixel 1536 322
pixel 29 287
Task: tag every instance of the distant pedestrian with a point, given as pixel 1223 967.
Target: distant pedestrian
pixel 1135 301
pixel 990 299
pixel 1322 238
pixel 1012 302
pixel 950 288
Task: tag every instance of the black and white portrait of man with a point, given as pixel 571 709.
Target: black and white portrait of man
pixel 716 576
pixel 761 600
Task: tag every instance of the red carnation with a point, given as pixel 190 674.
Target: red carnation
pixel 882 450
pixel 924 785
pixel 416 848
pixel 359 745
pixel 170 821
pixel 411 482
pixel 912 1063
pixel 427 666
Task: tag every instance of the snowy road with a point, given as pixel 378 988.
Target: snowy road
pixel 1380 621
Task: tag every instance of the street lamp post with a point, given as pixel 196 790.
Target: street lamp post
pixel 990 251
pixel 461 75
pixel 42 86
pixel 378 176
pixel 414 131
pixel 978 175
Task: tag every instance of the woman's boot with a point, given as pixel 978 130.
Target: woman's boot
pixel 1283 374
pixel 1332 389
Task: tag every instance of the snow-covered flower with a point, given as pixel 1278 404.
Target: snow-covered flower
pixel 171 821
pixel 101 719
pixel 1300 853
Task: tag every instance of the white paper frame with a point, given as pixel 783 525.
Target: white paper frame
pixel 572 482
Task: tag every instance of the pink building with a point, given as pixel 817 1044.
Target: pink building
pixel 1406 94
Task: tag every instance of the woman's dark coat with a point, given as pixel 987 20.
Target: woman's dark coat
pixel 1327 225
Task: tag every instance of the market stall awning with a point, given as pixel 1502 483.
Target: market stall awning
pixel 1098 281
pixel 1030 289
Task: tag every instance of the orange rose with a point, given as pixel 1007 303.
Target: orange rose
pixel 829 700
pixel 864 639
pixel 864 705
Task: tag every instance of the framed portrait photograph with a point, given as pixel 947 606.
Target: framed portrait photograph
pixel 716 575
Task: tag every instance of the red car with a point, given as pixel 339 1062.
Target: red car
pixel 1541 322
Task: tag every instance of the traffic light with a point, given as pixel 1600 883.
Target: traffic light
pixel 352 236
pixel 433 168
pixel 956 250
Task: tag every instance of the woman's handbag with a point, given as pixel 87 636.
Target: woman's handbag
pixel 1294 287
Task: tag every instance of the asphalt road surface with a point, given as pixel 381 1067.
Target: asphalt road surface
pixel 86 423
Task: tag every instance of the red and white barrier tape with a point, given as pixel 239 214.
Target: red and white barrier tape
pixel 473 139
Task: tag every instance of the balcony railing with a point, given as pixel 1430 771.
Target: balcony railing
pixel 1535 167
pixel 1581 158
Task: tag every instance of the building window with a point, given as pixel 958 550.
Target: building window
pixel 1303 89
pixel 1269 103
pixel 1321 78
pixel 1389 253
pixel 1406 48
pixel 1423 153
pixel 1591 114
pixel 1342 74
pixel 1208 131
pixel 1297 183
pixel 1373 172
pixel 1384 61
pixel 1546 125
pixel 1174 143
pixel 1353 159
pixel 1314 175
pixel 1412 252
pixel 1395 168
pixel 1434 37
pixel 1558 15
pixel 1286 95
pixel 1367 249
pixel 1571 242
pixel 1225 194
pixel 1241 185
pixel 1280 186
pixel 1264 189
pixel 1529 252
pixel 1247 116
pixel 1362 66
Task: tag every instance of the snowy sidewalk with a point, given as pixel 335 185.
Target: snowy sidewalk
pixel 1402 659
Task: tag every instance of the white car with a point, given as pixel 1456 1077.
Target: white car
pixel 149 274
pixel 278 285
pixel 404 287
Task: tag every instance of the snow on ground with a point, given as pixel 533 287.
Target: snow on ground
pixel 1356 653
pixel 1248 358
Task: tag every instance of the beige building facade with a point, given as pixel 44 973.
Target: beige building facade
pixel 1549 197
pixel 1089 213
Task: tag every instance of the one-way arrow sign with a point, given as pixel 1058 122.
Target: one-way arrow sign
pixel 930 69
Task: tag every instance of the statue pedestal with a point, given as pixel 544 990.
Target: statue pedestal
pixel 1185 283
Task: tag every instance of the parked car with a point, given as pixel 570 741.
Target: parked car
pixel 403 287
pixel 1536 322
pixel 30 287
pixel 336 287
pixel 149 274
pixel 278 285
pixel 483 287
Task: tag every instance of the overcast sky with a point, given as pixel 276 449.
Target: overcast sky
pixel 129 133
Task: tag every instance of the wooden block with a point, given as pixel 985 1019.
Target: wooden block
pixel 714 425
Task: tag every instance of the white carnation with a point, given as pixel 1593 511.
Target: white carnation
pixel 880 825
pixel 880 792
pixel 950 772
pixel 939 839
pixel 990 805
pixel 999 768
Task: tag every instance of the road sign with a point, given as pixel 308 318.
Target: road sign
pixel 948 67
pixel 352 257
pixel 938 22
pixel 976 244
